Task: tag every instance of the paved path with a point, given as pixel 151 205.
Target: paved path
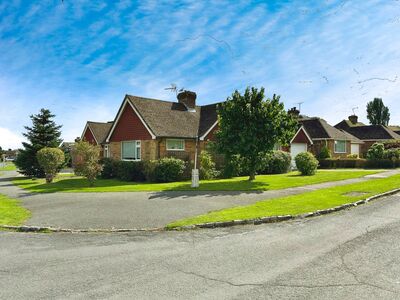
pixel 139 209
pixel 353 254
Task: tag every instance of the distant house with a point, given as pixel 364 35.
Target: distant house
pixel 315 133
pixel 148 129
pixel 95 133
pixel 369 134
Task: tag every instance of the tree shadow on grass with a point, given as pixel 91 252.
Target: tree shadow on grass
pixel 111 185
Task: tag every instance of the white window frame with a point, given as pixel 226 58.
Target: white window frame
pixel 106 152
pixel 138 144
pixel 180 140
pixel 345 146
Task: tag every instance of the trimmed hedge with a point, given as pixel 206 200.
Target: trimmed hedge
pixel 333 163
pixel 359 163
pixel 123 170
pixel 276 162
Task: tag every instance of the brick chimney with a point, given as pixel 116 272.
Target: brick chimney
pixel 188 98
pixel 353 119
pixel 294 112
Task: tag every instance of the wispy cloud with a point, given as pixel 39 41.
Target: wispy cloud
pixel 80 58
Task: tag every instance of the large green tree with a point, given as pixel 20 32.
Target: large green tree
pixel 250 126
pixel 377 112
pixel 43 133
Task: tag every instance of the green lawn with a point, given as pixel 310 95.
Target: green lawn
pixel 262 183
pixel 11 213
pixel 8 167
pixel 298 204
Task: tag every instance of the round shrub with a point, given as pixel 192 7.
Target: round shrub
pixel 392 154
pixel 50 160
pixel 276 162
pixel 169 169
pixel 377 151
pixel 306 163
pixel 207 166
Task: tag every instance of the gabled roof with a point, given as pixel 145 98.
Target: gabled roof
pixel 394 128
pixel 318 128
pixel 171 119
pixel 99 130
pixel 373 132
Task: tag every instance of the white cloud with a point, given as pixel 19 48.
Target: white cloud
pixel 10 139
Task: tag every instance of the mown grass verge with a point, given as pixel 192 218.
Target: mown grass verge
pixel 11 212
pixel 298 204
pixel 74 184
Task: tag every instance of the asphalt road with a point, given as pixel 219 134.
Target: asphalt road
pixel 352 254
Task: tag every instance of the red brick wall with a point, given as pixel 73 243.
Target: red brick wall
pixel 88 137
pixel 210 136
pixel 129 127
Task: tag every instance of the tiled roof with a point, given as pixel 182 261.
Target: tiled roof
pixel 373 132
pixel 172 119
pixel 100 130
pixel 318 128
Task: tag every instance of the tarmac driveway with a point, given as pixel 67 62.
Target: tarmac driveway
pixel 133 209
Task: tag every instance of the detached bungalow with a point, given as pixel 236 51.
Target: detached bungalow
pixel 314 133
pixel 369 134
pixel 96 133
pixel 148 129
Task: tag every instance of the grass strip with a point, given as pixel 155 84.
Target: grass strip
pixel 74 184
pixel 11 212
pixel 8 167
pixel 298 204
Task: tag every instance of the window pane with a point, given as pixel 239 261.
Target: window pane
pixel 138 150
pixel 175 144
pixel 340 146
pixel 128 150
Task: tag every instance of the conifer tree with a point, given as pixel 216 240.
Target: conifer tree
pixel 43 133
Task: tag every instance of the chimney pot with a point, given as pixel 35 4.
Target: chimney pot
pixel 294 112
pixel 353 119
pixel 187 98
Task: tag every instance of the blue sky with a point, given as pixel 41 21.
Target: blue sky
pixel 79 58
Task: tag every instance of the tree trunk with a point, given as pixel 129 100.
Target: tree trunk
pixel 252 176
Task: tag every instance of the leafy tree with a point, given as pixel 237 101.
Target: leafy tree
pixel 377 112
pixel 43 133
pixel 50 160
pixel 250 126
pixel 86 161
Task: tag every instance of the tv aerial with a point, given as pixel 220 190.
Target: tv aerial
pixel 172 88
pixel 354 110
pixel 299 104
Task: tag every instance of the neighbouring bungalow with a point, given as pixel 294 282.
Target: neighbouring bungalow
pixel 315 133
pixel 369 134
pixel 148 129
pixel 96 133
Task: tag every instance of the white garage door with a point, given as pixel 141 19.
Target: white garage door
pixel 295 149
pixel 355 149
